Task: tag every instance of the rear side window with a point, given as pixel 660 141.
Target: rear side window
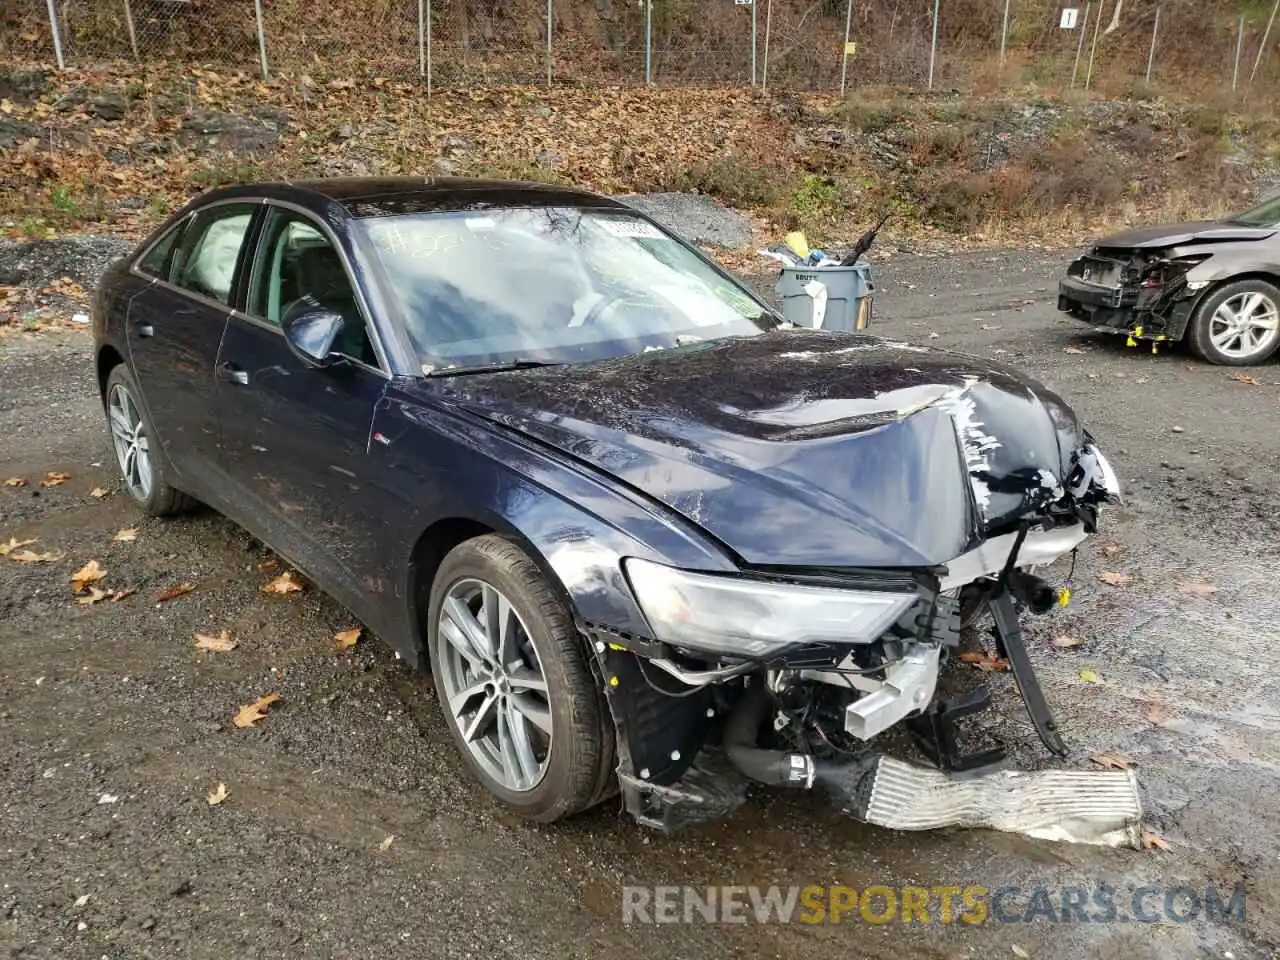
pixel 210 250
pixel 156 262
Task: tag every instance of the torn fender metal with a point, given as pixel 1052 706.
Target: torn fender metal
pixel 1100 807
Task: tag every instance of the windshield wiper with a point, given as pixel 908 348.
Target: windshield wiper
pixel 497 367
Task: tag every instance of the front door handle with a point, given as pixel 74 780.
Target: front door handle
pixel 233 374
pixel 145 330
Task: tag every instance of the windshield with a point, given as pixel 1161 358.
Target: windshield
pixel 553 285
pixel 1265 214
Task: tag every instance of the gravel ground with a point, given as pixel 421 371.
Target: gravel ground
pixel 351 829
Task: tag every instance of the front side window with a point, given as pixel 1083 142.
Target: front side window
pixel 300 270
pixel 206 259
pixel 156 261
pixel 1265 214
pixel 551 284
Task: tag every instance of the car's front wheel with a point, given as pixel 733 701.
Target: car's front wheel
pixel 1238 324
pixel 511 673
pixel 137 450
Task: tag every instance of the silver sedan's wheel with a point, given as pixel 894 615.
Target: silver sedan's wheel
pixel 1237 324
pixel 131 443
pixel 493 682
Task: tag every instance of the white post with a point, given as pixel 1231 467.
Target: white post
pixel 1235 74
pixel 768 27
pixel 648 42
pixel 57 35
pixel 422 39
pixel 550 22
pixel 1004 32
pixel 844 61
pixel 262 39
pixel 428 6
pixel 933 44
pixel 133 35
pixel 1084 26
pixel 1093 47
pixel 1262 47
pixel 754 7
pixel 1155 29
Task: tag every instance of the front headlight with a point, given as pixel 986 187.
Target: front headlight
pixel 733 615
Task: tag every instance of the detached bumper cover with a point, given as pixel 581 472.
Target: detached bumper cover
pixel 1078 806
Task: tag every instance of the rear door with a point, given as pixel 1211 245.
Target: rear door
pixel 296 439
pixel 174 330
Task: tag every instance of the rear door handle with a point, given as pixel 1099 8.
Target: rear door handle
pixel 233 374
pixel 145 330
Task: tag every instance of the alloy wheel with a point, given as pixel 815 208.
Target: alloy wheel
pixel 1245 325
pixel 494 685
pixel 131 443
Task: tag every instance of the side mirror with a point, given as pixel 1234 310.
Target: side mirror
pixel 311 335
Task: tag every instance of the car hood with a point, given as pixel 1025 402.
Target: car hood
pixel 1178 234
pixel 803 448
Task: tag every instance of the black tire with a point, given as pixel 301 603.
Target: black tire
pixel 1199 331
pixel 163 499
pixel 580 761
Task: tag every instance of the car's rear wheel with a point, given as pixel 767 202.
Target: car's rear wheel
pixel 514 685
pixel 137 451
pixel 1238 324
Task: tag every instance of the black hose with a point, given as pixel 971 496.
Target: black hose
pixel 777 768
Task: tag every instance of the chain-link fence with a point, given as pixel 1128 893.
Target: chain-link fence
pixel 776 44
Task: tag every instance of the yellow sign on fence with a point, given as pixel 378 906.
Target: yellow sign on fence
pixel 851 48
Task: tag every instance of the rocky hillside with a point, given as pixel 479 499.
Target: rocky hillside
pixel 114 151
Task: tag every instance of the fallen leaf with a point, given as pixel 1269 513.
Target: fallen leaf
pixel 12 545
pixel 984 661
pixel 94 595
pixel 1113 579
pixel 121 594
pixel 181 590
pixel 81 900
pixel 285 583
pixel 26 556
pixel 127 535
pixel 221 643
pixel 86 575
pixel 1112 761
pixel 1153 841
pixel 346 639
pixel 1066 642
pixel 97 493
pixel 1157 715
pixel 1088 676
pixel 1143 380
pixel 1110 550
pixel 1072 350
pixel 218 794
pixel 251 713
pixel 1019 952
pixel 55 479
pixel 1248 378
pixel 268 564
pixel 1198 588
pixel 15 482
pixel 386 844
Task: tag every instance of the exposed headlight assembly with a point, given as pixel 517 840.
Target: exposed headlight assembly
pixel 754 618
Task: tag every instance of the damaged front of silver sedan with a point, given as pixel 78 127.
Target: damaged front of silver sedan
pixel 866 499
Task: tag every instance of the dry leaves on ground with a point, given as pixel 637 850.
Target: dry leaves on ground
pixel 54 479
pixel 15 482
pixel 13 544
pixel 251 713
pixel 1112 761
pixel 91 572
pixel 127 535
pixel 984 661
pixel 1072 350
pixel 1113 579
pixel 1067 642
pixel 97 493
pixel 26 556
pixel 1248 378
pixel 285 583
pixel 1198 588
pixel 386 844
pixel 1110 550
pixel 346 639
pixel 95 595
pixel 1153 841
pixel 1088 676
pixel 216 643
pixel 218 794
pixel 172 593
pixel 268 564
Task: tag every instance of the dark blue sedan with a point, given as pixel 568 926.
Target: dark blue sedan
pixel 647 537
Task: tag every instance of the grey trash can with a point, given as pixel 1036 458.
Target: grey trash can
pixel 827 298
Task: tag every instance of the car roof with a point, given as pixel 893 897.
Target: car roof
pixel 388 196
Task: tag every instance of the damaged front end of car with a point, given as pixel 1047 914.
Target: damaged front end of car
pixel 788 679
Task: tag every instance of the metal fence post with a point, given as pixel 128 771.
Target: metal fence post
pixel 1093 47
pixel 1084 28
pixel 1004 32
pixel 133 34
pixel 422 39
pixel 933 44
pixel 56 30
pixel 1262 47
pixel 550 23
pixel 1235 74
pixel 754 7
pixel 844 60
pixel 1151 55
pixel 648 42
pixel 768 26
pixel 429 72
pixel 262 39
